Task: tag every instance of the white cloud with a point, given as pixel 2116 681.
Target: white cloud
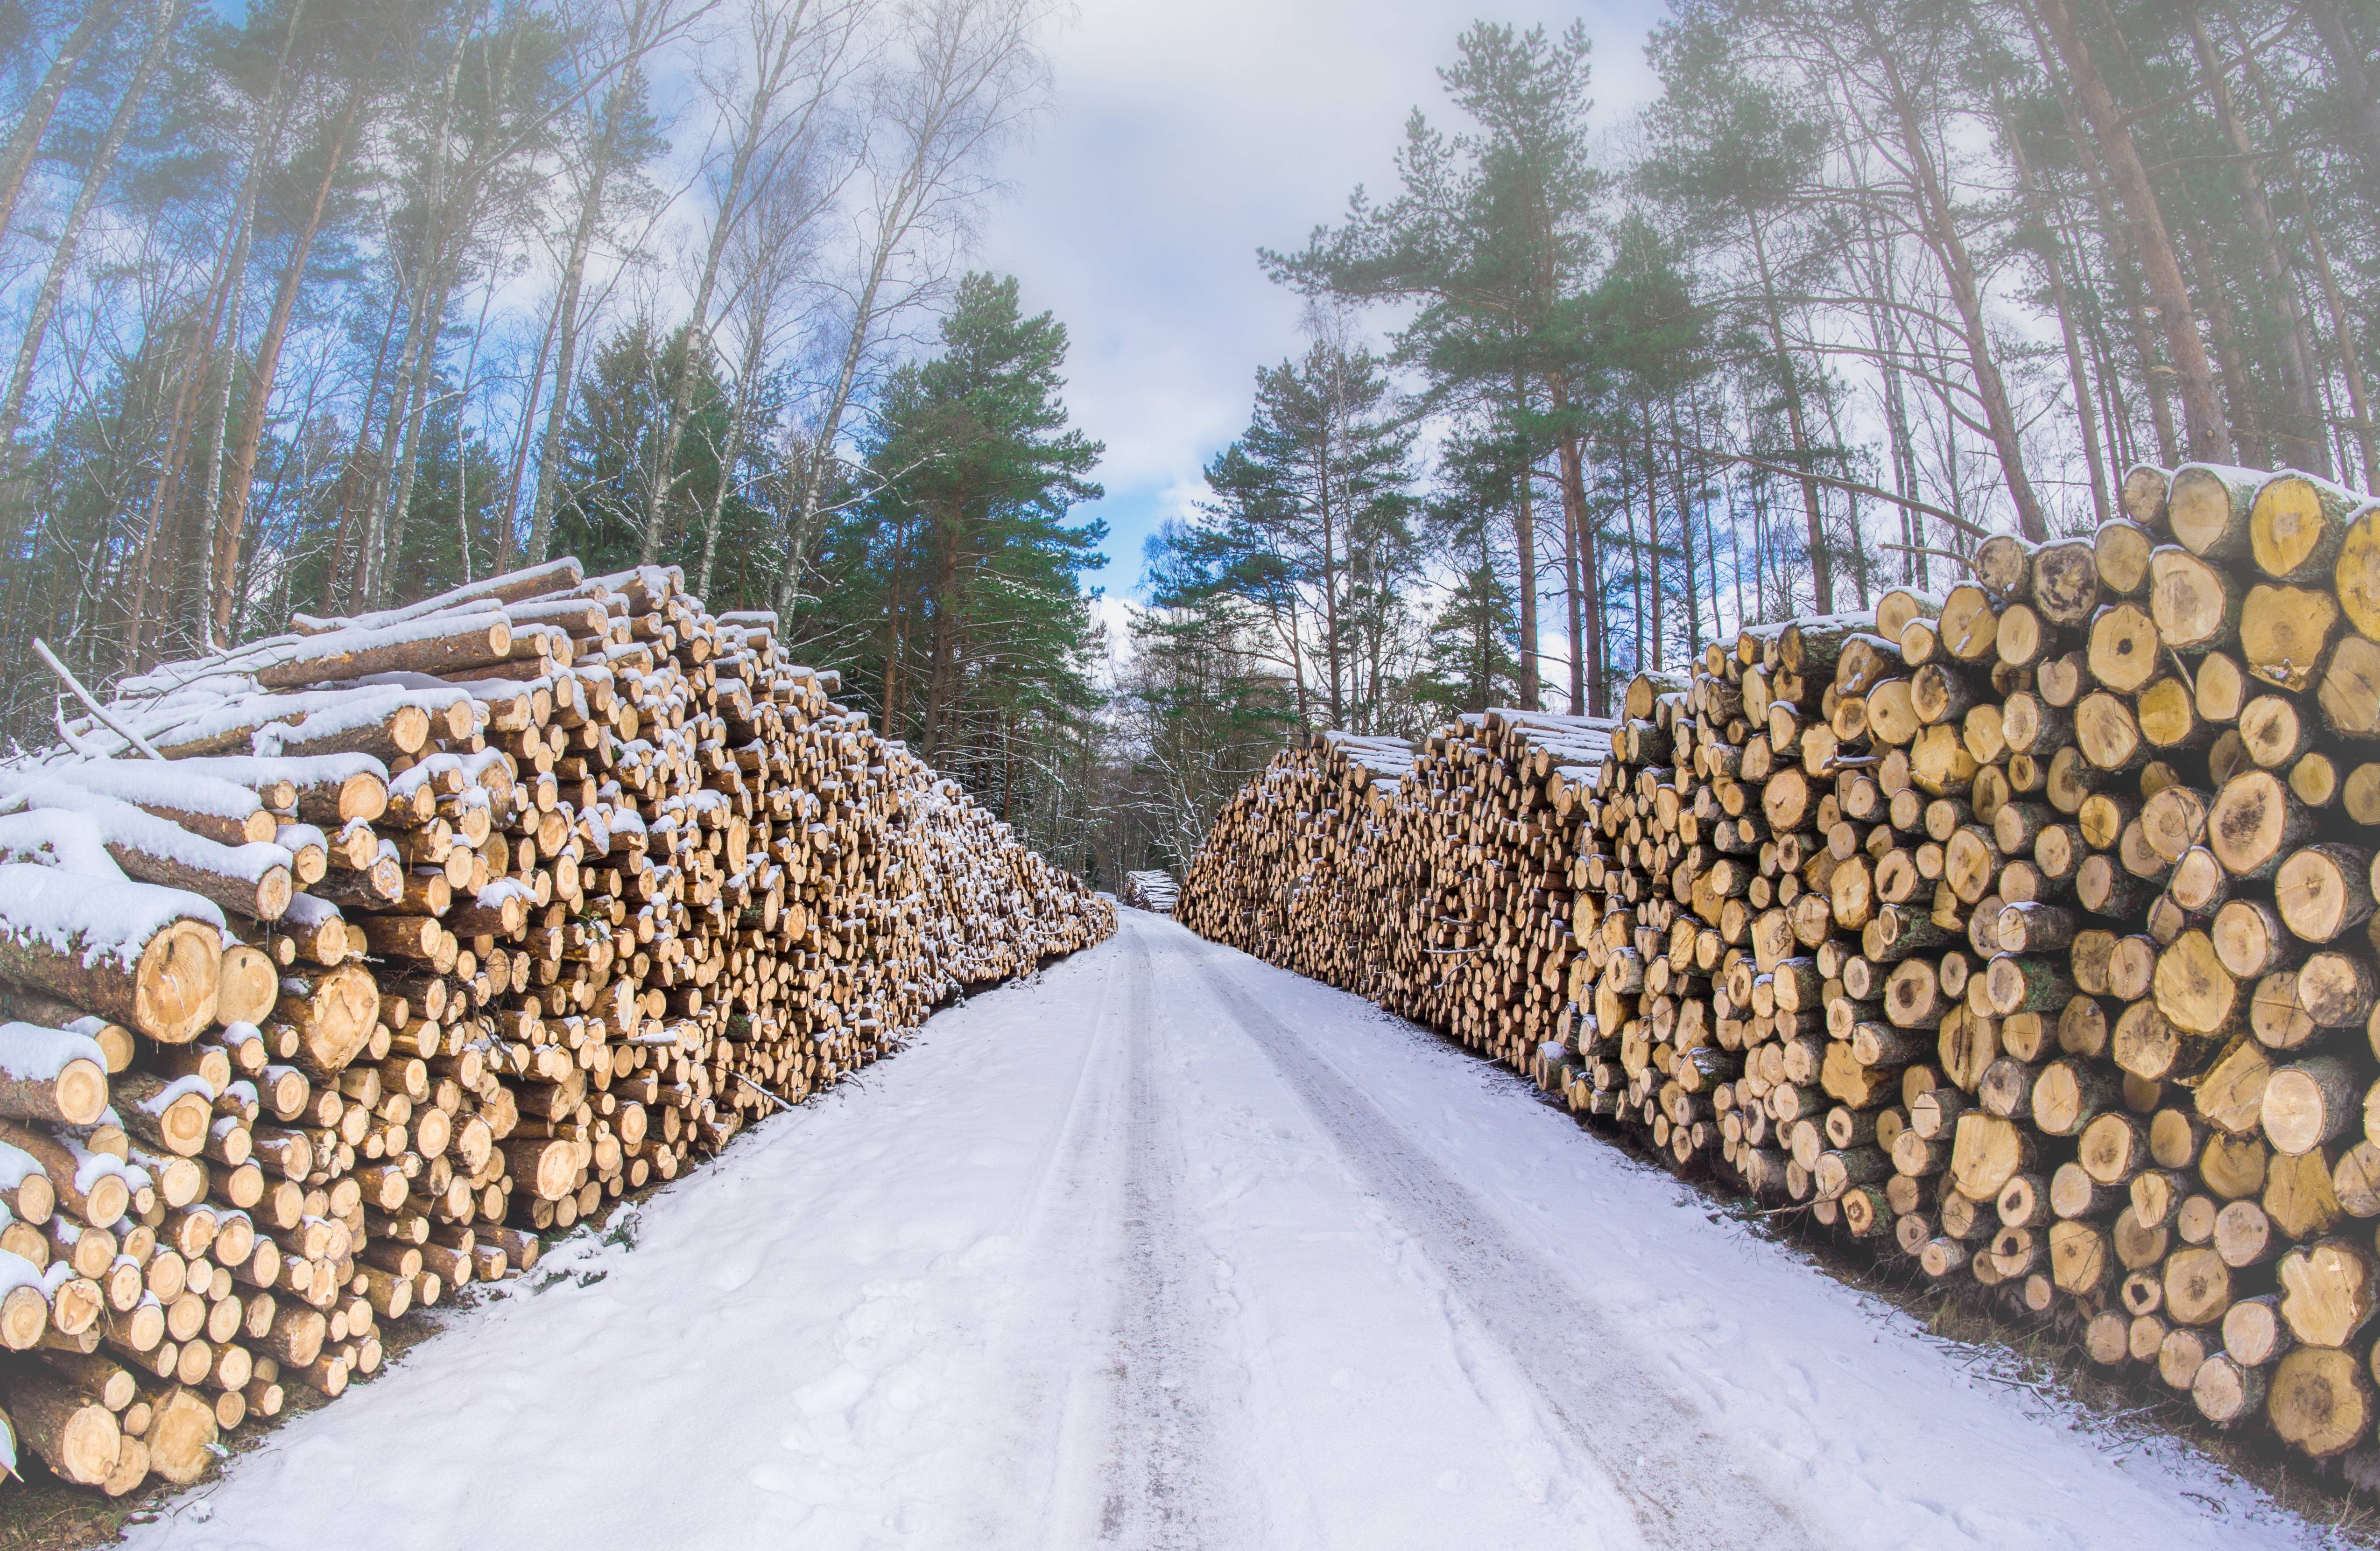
pixel 1188 134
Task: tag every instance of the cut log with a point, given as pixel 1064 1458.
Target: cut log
pixel 145 956
pixel 2285 635
pixel 51 1075
pixel 2208 508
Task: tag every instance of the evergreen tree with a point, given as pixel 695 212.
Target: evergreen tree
pixel 1494 233
pixel 1311 517
pixel 957 597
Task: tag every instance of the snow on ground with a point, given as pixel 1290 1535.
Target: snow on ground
pixel 1170 1248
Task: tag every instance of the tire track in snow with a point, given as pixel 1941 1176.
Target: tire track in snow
pixel 1135 1453
pixel 1650 1439
pixel 1158 1478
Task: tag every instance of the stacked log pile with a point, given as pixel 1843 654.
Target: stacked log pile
pixel 340 966
pixel 1434 881
pixel 1150 890
pixel 2027 932
pixel 1294 868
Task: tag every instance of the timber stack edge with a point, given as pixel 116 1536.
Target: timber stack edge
pixel 337 967
pixel 2027 931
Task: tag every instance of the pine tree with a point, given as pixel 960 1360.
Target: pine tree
pixel 1312 510
pixel 968 621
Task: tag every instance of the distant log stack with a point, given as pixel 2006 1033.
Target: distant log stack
pixel 2028 931
pixel 1150 890
pixel 437 929
pixel 1294 866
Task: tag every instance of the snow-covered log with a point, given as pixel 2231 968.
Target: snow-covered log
pixel 51 1075
pixel 253 880
pixel 198 801
pixel 1149 890
pixel 486 911
pixel 2027 932
pixel 93 1187
pixel 536 581
pixel 435 644
pixel 145 956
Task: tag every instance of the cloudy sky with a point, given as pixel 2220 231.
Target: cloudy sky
pixel 1188 134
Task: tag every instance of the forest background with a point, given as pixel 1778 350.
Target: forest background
pixel 325 306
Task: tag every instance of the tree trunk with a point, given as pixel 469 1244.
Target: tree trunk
pixel 1332 653
pixel 2053 266
pixel 755 345
pixel 1571 460
pixel 1822 563
pixel 2119 246
pixel 1942 225
pixel 946 649
pixel 1685 535
pixel 779 56
pixel 1635 568
pixel 2357 94
pixel 1652 599
pixel 820 457
pixel 508 532
pixel 25 142
pixel 2302 444
pixel 377 549
pixel 2230 354
pixel 2342 325
pixel 1524 538
pixel 1884 328
pixel 557 414
pixel 267 368
pixel 893 615
pixel 2209 432
pixel 1571 579
pixel 96 173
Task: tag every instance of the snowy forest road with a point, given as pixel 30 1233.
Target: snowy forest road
pixel 1170 1248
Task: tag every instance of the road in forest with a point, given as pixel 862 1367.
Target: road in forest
pixel 1169 1248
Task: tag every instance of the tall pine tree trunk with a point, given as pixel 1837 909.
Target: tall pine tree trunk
pixel 1652 599
pixel 565 366
pixel 2342 323
pixel 2301 442
pixel 1939 224
pixel 1571 560
pixel 2358 98
pixel 1822 561
pixel 1524 547
pixel 2208 429
pixel 25 141
pixel 738 416
pixel 383 512
pixel 1685 537
pixel 96 172
pixel 2054 266
pixel 1569 459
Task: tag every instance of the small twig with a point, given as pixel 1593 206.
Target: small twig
pixel 58 718
pixel 763 1092
pixel 42 650
pixel 1925 549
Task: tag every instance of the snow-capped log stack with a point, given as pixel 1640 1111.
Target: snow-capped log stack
pixel 2028 932
pixel 429 931
pixel 1293 868
pixel 1478 890
pixel 1150 890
